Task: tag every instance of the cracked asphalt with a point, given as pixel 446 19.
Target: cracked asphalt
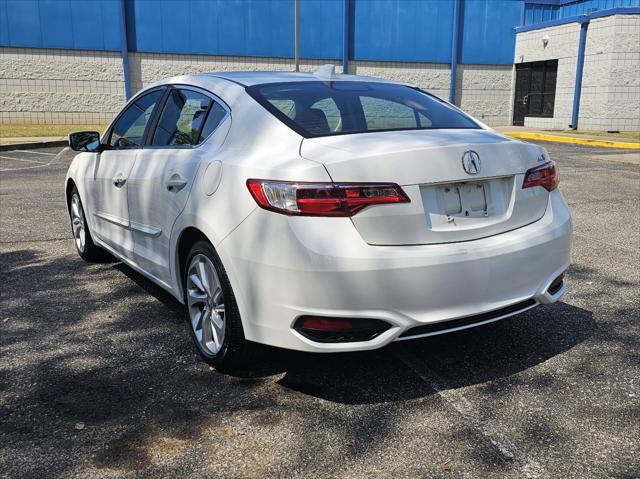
pixel 98 376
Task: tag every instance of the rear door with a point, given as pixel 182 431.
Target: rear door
pixel 108 183
pixel 190 128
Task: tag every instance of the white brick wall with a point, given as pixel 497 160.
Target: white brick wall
pixel 611 80
pixel 67 86
pixel 484 91
pixel 62 86
pixel 432 77
pixel 59 86
pixel 146 68
pixel 610 97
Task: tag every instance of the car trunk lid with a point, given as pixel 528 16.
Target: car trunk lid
pixel 448 204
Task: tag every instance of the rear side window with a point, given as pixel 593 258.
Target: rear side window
pixel 315 109
pixel 214 118
pixel 183 119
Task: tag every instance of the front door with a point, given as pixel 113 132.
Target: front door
pixel 109 182
pixel 535 90
pixel 165 170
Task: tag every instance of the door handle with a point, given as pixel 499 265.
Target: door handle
pixel 175 183
pixel 119 182
pixel 525 100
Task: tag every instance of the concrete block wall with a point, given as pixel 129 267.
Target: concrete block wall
pixel 431 77
pixel 610 99
pixel 484 91
pixel 59 86
pixel 563 46
pixel 611 81
pixel 146 68
pixel 65 86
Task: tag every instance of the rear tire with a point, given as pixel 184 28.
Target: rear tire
pixel 85 246
pixel 216 327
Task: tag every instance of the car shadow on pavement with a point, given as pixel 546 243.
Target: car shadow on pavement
pixel 100 348
pixel 453 360
pixel 449 361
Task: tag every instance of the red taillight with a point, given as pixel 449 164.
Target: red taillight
pixel 545 175
pixel 339 330
pixel 323 199
pixel 325 324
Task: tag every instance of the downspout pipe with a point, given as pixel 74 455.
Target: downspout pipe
pixel 454 50
pixel 124 50
pixel 297 34
pixel 345 36
pixel 577 90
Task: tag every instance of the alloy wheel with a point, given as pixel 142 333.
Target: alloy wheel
pixel 206 304
pixel 77 223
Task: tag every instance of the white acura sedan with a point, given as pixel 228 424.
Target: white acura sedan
pixel 319 212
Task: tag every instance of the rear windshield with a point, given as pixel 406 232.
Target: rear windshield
pixel 319 108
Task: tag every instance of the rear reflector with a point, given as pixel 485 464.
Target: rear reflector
pixel 545 175
pixel 323 199
pixel 339 330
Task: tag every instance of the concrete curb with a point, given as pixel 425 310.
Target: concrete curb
pixel 36 144
pixel 525 135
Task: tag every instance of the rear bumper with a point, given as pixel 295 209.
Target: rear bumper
pixel 284 267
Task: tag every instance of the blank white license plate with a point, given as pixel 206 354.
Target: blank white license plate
pixel 463 199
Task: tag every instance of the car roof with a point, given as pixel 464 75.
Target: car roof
pixel 250 78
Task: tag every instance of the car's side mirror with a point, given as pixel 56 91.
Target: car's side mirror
pixel 85 141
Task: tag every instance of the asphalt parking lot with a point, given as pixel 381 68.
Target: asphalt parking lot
pixel 98 376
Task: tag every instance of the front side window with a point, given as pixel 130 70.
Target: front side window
pixel 128 131
pixel 182 119
pixel 316 108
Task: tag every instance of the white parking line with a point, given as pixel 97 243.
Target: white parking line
pixel 22 159
pixel 35 166
pixel 31 151
pixel 455 399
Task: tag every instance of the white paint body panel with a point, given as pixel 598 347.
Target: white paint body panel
pixel 282 267
pixel 425 164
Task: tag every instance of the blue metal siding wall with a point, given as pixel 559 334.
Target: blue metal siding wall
pixel 544 11
pixel 403 30
pixel 587 6
pixel 488 35
pixel 90 25
pixel 224 27
pixel 536 13
pixel 421 30
pixel 235 27
pixel 320 28
pixel 386 30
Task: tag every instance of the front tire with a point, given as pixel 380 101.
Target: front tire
pixel 216 327
pixel 85 246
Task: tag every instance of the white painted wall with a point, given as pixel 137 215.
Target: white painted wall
pixel 62 86
pixel 65 86
pixel 610 97
pixel 59 86
pixel 485 92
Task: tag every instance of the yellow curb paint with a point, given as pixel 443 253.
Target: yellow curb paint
pixel 570 139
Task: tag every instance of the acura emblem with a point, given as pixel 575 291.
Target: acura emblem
pixel 471 162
